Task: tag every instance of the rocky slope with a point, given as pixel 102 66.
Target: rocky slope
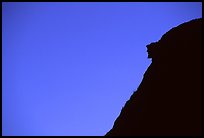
pixel 168 100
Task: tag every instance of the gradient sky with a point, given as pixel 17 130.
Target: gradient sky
pixel 69 68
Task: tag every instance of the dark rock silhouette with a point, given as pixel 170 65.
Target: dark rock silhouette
pixel 168 100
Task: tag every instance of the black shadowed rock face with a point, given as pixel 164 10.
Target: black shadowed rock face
pixel 168 100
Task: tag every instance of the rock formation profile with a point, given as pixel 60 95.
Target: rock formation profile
pixel 168 102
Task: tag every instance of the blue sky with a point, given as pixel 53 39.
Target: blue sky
pixel 68 68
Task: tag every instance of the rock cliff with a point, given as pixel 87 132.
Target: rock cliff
pixel 169 99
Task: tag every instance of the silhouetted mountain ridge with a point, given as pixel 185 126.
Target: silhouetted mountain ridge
pixel 168 100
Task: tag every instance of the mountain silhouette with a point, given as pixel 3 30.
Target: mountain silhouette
pixel 168 101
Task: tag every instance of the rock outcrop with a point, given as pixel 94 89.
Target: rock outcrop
pixel 169 99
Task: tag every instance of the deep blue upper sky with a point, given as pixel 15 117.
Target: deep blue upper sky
pixel 69 68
